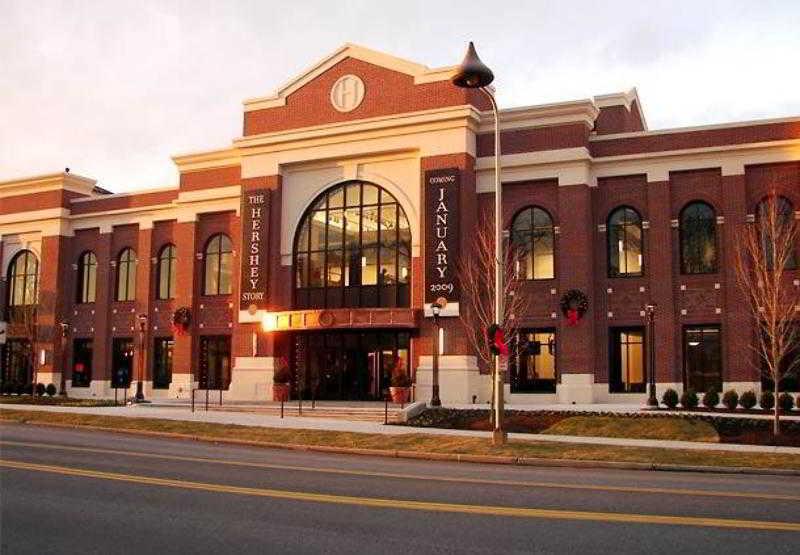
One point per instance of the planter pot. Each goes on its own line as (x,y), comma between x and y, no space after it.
(280,392)
(399,394)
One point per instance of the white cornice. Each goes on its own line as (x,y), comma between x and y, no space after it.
(49,182)
(421,73)
(543,115)
(626,99)
(673,130)
(126,194)
(463,112)
(209,159)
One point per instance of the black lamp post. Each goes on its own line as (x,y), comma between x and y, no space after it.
(473,74)
(435,400)
(139,384)
(64,331)
(650,315)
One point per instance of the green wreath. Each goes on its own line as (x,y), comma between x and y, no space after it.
(574,304)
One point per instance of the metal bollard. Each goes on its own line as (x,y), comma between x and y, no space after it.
(281,408)
(386,409)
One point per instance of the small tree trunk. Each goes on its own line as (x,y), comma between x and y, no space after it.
(776,425)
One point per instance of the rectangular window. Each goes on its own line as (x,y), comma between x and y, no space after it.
(533,362)
(702,356)
(215,361)
(17,362)
(121,362)
(82,352)
(627,368)
(162,362)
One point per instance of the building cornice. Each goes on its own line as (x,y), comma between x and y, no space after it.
(693,129)
(544,115)
(48,182)
(420,73)
(209,159)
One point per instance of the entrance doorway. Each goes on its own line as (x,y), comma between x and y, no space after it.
(348,365)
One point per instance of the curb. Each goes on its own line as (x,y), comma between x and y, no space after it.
(418,455)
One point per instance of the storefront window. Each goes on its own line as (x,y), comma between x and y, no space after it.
(533,362)
(627,364)
(162,362)
(702,352)
(353,249)
(82,352)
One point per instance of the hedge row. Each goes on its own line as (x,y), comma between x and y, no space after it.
(730,400)
(17,388)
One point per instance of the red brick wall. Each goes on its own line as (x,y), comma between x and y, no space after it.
(208,179)
(531,140)
(387,92)
(697,139)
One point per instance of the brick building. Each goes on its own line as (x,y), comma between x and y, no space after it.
(322,221)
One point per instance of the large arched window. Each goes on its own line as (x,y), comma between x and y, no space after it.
(218,266)
(87,278)
(784,212)
(698,235)
(624,243)
(126,275)
(166,273)
(23,279)
(353,249)
(532,236)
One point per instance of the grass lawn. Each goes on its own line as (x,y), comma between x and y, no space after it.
(680,429)
(422,443)
(57,400)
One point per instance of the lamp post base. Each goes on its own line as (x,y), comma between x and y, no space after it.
(139,392)
(499,437)
(435,401)
(652,400)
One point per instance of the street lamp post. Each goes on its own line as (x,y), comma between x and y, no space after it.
(435,400)
(64,330)
(650,315)
(473,74)
(139,384)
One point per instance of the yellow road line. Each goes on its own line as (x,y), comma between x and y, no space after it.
(519,512)
(369,474)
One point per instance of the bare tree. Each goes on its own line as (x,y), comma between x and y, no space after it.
(767,248)
(476,276)
(24,323)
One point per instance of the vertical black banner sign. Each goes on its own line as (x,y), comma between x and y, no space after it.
(442,234)
(255,227)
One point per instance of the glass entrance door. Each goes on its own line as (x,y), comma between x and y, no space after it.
(348,365)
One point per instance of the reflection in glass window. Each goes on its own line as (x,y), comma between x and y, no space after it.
(627,365)
(533,362)
(218,266)
(624,243)
(126,275)
(702,352)
(698,234)
(353,248)
(87,277)
(23,279)
(167,274)
(533,237)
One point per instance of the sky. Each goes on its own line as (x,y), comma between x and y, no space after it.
(113,89)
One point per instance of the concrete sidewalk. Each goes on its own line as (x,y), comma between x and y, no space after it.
(293,422)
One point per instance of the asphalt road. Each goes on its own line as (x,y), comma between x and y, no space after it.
(65,491)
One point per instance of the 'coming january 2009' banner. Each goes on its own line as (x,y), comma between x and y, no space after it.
(442,234)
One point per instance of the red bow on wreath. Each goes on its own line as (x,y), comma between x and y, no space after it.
(572,317)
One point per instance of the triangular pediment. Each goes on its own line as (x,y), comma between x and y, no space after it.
(420,73)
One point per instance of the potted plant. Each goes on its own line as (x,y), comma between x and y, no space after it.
(400,387)
(281,379)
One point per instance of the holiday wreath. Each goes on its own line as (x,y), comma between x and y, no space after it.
(574,305)
(181,320)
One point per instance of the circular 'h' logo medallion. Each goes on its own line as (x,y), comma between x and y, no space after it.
(347,93)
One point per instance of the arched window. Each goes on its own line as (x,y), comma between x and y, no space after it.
(624,243)
(532,236)
(698,236)
(218,266)
(87,278)
(23,279)
(784,212)
(353,249)
(166,272)
(126,275)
